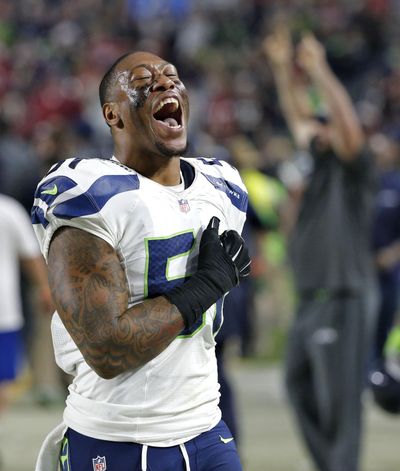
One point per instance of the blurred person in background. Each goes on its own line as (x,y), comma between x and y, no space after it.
(330,338)
(18,250)
(240,321)
(385,381)
(386,237)
(21,167)
(266,195)
(386,247)
(138,272)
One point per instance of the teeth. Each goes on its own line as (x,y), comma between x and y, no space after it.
(174,101)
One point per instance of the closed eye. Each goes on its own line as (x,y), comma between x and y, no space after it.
(147,77)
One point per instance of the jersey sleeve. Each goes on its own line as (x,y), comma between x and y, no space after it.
(79,198)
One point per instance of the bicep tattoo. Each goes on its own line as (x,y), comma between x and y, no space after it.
(90,290)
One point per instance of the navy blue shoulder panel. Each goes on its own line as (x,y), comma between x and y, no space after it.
(53,188)
(48,192)
(90,202)
(96,197)
(38,217)
(237,196)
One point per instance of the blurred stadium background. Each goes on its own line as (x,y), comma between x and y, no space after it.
(53,54)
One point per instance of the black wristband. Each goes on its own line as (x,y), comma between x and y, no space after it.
(200,292)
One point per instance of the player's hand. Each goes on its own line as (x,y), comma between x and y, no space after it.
(235,247)
(226,254)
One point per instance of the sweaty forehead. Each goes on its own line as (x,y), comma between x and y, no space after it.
(139,59)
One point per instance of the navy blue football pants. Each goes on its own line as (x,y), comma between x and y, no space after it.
(214,450)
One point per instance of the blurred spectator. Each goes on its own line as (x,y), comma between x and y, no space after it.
(240,319)
(385,381)
(386,244)
(386,238)
(18,248)
(332,263)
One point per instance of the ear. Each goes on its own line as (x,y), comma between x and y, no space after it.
(112,115)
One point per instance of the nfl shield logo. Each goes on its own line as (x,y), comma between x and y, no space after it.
(99,463)
(184,206)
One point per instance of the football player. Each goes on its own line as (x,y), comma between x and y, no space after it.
(141,249)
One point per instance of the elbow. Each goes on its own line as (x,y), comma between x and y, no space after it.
(108,364)
(353,148)
(106,371)
(356,141)
(348,145)
(103,369)
(104,365)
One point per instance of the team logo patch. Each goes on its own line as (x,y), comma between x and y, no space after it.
(99,463)
(184,206)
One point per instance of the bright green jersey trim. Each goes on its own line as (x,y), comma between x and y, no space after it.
(64,455)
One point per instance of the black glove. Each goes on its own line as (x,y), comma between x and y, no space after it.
(222,262)
(235,247)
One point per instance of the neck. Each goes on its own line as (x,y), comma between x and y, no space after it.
(162,169)
(166,172)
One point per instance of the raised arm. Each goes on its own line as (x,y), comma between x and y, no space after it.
(90,290)
(279,51)
(345,132)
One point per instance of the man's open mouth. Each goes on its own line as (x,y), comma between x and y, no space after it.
(169,112)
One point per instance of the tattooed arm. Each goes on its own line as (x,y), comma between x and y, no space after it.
(90,290)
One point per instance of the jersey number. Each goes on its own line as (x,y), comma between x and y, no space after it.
(162,271)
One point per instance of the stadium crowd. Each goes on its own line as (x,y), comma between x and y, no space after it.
(53,52)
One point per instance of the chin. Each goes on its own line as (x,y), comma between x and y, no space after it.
(171,151)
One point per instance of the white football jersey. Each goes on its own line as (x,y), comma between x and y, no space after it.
(156,231)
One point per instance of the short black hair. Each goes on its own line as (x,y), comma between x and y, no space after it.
(108,81)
